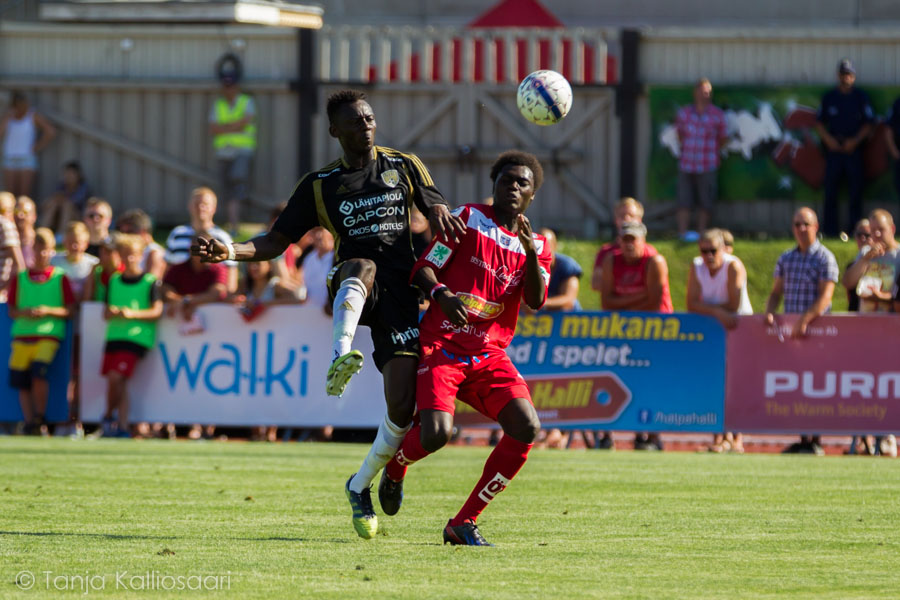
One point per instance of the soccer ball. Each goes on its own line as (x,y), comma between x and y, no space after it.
(544,97)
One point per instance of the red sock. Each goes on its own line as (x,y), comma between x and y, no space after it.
(410,451)
(501,466)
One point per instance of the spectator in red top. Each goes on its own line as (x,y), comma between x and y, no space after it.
(185,287)
(192,283)
(701,134)
(628,210)
(39,300)
(635,279)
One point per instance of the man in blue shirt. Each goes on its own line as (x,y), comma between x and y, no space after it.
(562,291)
(843,122)
(805,277)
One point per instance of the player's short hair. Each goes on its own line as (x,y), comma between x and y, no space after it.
(138,219)
(45,236)
(629,202)
(340,98)
(77,228)
(130,241)
(519,158)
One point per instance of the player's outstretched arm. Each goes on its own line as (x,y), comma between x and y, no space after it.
(263,247)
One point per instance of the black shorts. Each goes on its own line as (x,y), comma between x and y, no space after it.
(391,312)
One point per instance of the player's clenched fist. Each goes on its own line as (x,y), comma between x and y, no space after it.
(452,306)
(209,250)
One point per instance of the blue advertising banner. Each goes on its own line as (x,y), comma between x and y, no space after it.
(620,370)
(57,405)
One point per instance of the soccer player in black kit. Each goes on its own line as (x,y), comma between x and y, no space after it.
(364,199)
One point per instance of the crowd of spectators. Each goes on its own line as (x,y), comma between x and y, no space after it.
(117,261)
(103,255)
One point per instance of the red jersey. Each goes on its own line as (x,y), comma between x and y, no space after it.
(486,270)
(612,247)
(185,280)
(632,279)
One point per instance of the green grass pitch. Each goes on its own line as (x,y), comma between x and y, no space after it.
(273,519)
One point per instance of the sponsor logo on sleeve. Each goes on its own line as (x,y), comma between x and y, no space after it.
(439,254)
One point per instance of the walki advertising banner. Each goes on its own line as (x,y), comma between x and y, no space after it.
(270,371)
(843,377)
(620,370)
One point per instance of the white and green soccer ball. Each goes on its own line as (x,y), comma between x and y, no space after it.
(544,97)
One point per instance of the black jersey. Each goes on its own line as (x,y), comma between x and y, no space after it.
(366,209)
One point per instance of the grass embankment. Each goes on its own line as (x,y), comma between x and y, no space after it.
(759,256)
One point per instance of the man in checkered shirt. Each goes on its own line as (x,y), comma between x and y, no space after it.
(805,276)
(701,134)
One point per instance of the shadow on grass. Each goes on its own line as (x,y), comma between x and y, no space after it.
(107,536)
(117,536)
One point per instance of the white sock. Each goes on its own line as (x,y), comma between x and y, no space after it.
(383,449)
(348,306)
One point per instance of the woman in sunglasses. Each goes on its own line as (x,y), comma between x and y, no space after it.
(717,286)
(717,282)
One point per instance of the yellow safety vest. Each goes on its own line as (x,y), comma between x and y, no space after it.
(225,114)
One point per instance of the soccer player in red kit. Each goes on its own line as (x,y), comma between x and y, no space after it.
(477,284)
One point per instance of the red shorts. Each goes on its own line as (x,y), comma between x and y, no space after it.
(120,361)
(486,381)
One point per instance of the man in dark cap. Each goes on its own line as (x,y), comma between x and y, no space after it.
(843,122)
